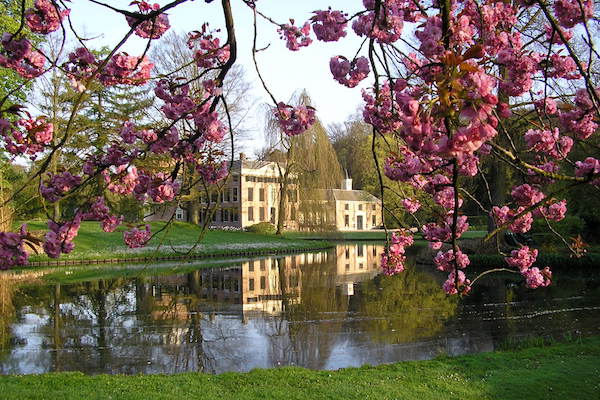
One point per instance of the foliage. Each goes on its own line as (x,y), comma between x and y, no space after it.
(263,228)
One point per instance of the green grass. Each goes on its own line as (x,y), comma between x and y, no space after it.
(560,371)
(92,243)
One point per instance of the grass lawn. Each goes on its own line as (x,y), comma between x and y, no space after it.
(560,371)
(93,243)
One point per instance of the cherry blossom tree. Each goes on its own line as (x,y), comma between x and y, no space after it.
(449,78)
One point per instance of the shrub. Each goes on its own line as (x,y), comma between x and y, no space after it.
(264,228)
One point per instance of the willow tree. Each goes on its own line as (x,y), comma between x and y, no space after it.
(308,167)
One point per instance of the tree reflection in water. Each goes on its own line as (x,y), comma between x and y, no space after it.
(323,310)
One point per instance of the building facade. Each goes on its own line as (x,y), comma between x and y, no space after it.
(251,195)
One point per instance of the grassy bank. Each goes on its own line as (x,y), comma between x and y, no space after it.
(559,371)
(92,243)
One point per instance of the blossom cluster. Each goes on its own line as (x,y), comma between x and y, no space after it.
(45,16)
(294,120)
(523,259)
(149,28)
(12,251)
(136,238)
(29,136)
(393,258)
(349,73)
(60,236)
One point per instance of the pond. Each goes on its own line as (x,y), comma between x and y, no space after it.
(324,310)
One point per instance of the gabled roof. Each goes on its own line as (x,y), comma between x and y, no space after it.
(344,195)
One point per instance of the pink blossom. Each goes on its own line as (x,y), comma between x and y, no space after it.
(527,195)
(294,36)
(152,28)
(357,70)
(209,51)
(445,261)
(535,278)
(549,142)
(562,67)
(126,70)
(411,205)
(392,259)
(112,222)
(45,16)
(457,283)
(53,188)
(546,105)
(569,12)
(12,251)
(136,238)
(294,120)
(213,172)
(19,55)
(552,35)
(387,28)
(59,238)
(522,258)
(329,26)
(81,66)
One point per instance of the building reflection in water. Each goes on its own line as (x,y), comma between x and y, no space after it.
(323,310)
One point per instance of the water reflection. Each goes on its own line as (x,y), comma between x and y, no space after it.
(319,310)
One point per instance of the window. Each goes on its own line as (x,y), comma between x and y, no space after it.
(374,220)
(250,284)
(263,282)
(247,179)
(226,215)
(360,266)
(374,251)
(347,253)
(346,220)
(250,213)
(360,250)
(261,194)
(347,267)
(179,214)
(261,213)
(374,207)
(263,264)
(214,197)
(346,207)
(250,194)
(293,213)
(235,217)
(235,194)
(236,178)
(360,207)
(251,266)
(226,195)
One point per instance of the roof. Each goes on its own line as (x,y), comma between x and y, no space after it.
(345,195)
(252,164)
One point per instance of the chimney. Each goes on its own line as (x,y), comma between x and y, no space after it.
(347,182)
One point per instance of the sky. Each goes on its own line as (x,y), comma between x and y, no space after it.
(285,71)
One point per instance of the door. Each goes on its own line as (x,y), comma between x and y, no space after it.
(359,222)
